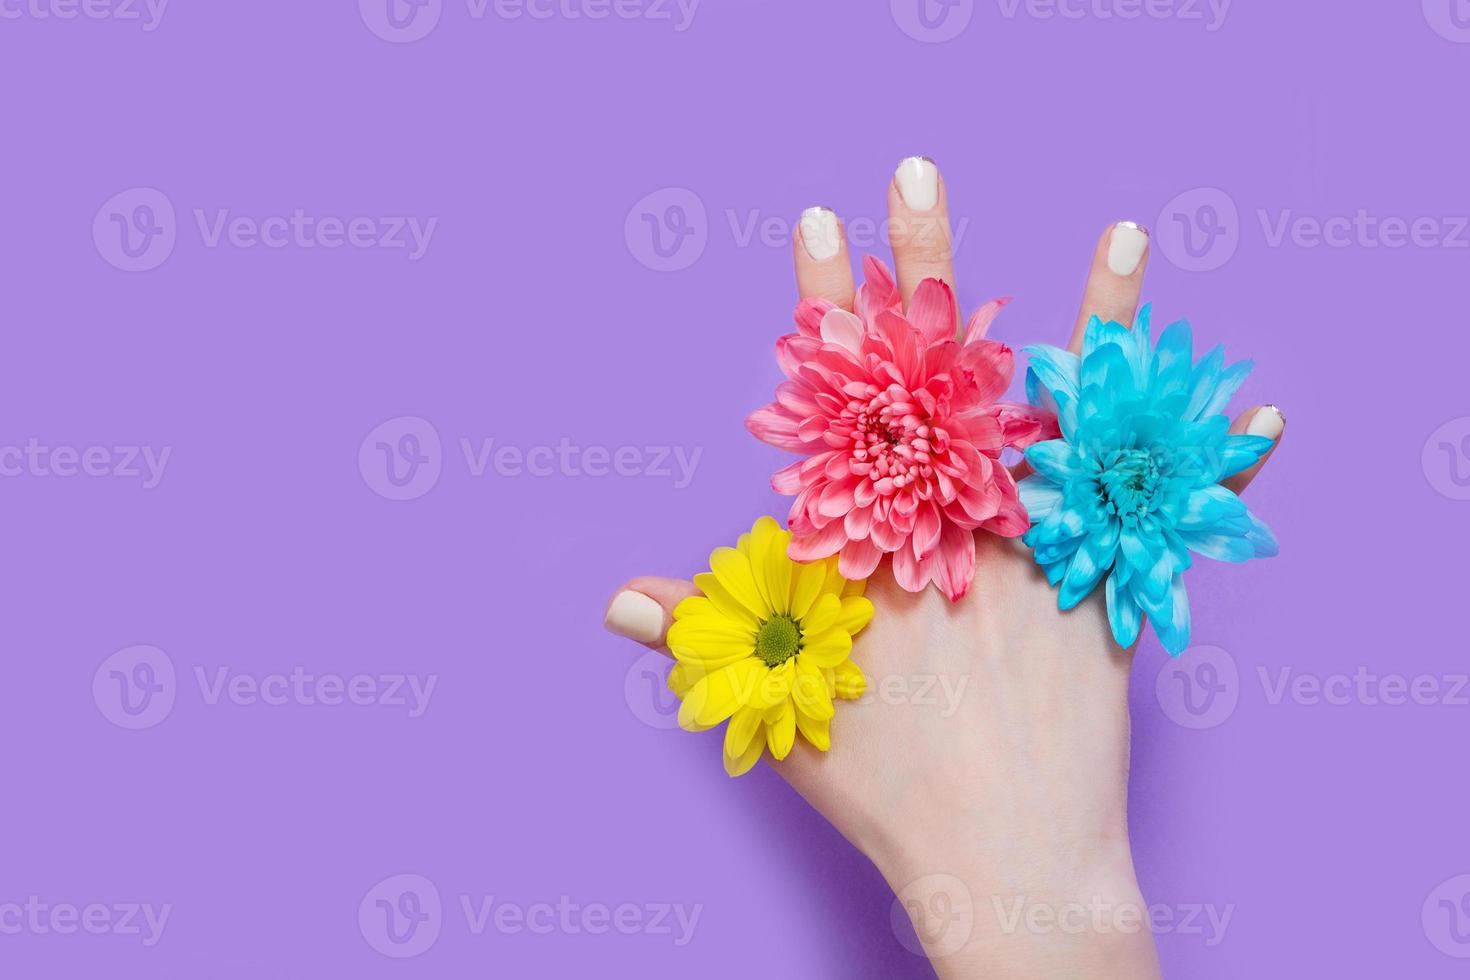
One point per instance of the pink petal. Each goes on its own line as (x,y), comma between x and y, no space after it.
(956,561)
(787,480)
(814,547)
(843,329)
(858,559)
(933,311)
(988,364)
(809,313)
(908,571)
(926,530)
(878,292)
(980,323)
(775,426)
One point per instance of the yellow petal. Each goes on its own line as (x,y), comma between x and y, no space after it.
(834,581)
(732,568)
(768,543)
(710,642)
(825,649)
(720,597)
(849,681)
(822,616)
(695,605)
(806,585)
(775,686)
(683,677)
(854,587)
(738,734)
(856,613)
(781,733)
(747,760)
(817,732)
(809,689)
(718,695)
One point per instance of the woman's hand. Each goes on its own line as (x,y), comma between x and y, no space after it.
(985,772)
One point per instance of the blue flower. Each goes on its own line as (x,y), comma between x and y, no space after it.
(1133,485)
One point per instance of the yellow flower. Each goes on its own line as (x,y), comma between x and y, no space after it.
(766,647)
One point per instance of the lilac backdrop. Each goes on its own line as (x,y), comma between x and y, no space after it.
(538,311)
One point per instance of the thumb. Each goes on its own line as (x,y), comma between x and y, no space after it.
(644,607)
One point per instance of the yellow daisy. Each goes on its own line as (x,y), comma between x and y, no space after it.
(766,647)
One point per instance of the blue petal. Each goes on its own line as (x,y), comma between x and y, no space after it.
(1204,509)
(1124,616)
(1221,547)
(1055,458)
(1242,452)
(1040,495)
(1173,359)
(1225,388)
(1107,369)
(1057,370)
(1171,618)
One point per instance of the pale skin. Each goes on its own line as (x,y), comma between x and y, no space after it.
(1005,786)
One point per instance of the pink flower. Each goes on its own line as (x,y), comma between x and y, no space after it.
(902,432)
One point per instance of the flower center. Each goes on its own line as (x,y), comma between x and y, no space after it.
(892,441)
(777,641)
(1128,483)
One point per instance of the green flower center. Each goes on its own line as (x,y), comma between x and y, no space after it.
(777,640)
(1128,483)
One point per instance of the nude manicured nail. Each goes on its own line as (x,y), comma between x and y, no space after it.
(636,616)
(918,183)
(819,234)
(1126,247)
(1268,422)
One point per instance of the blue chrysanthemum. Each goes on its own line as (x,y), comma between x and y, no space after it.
(1133,485)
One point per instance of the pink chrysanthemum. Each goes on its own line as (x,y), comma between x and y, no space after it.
(902,431)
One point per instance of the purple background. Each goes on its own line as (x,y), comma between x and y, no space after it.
(531,318)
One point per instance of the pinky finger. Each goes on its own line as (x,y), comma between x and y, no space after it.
(644,607)
(1265,420)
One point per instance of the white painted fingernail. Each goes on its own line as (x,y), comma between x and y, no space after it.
(1268,422)
(918,183)
(819,234)
(636,616)
(1126,247)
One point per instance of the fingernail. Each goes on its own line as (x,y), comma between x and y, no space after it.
(1126,247)
(918,183)
(1268,422)
(636,616)
(819,235)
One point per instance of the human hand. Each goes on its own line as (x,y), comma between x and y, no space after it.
(1007,783)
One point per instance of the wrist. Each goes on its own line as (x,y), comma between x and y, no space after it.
(1026,908)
